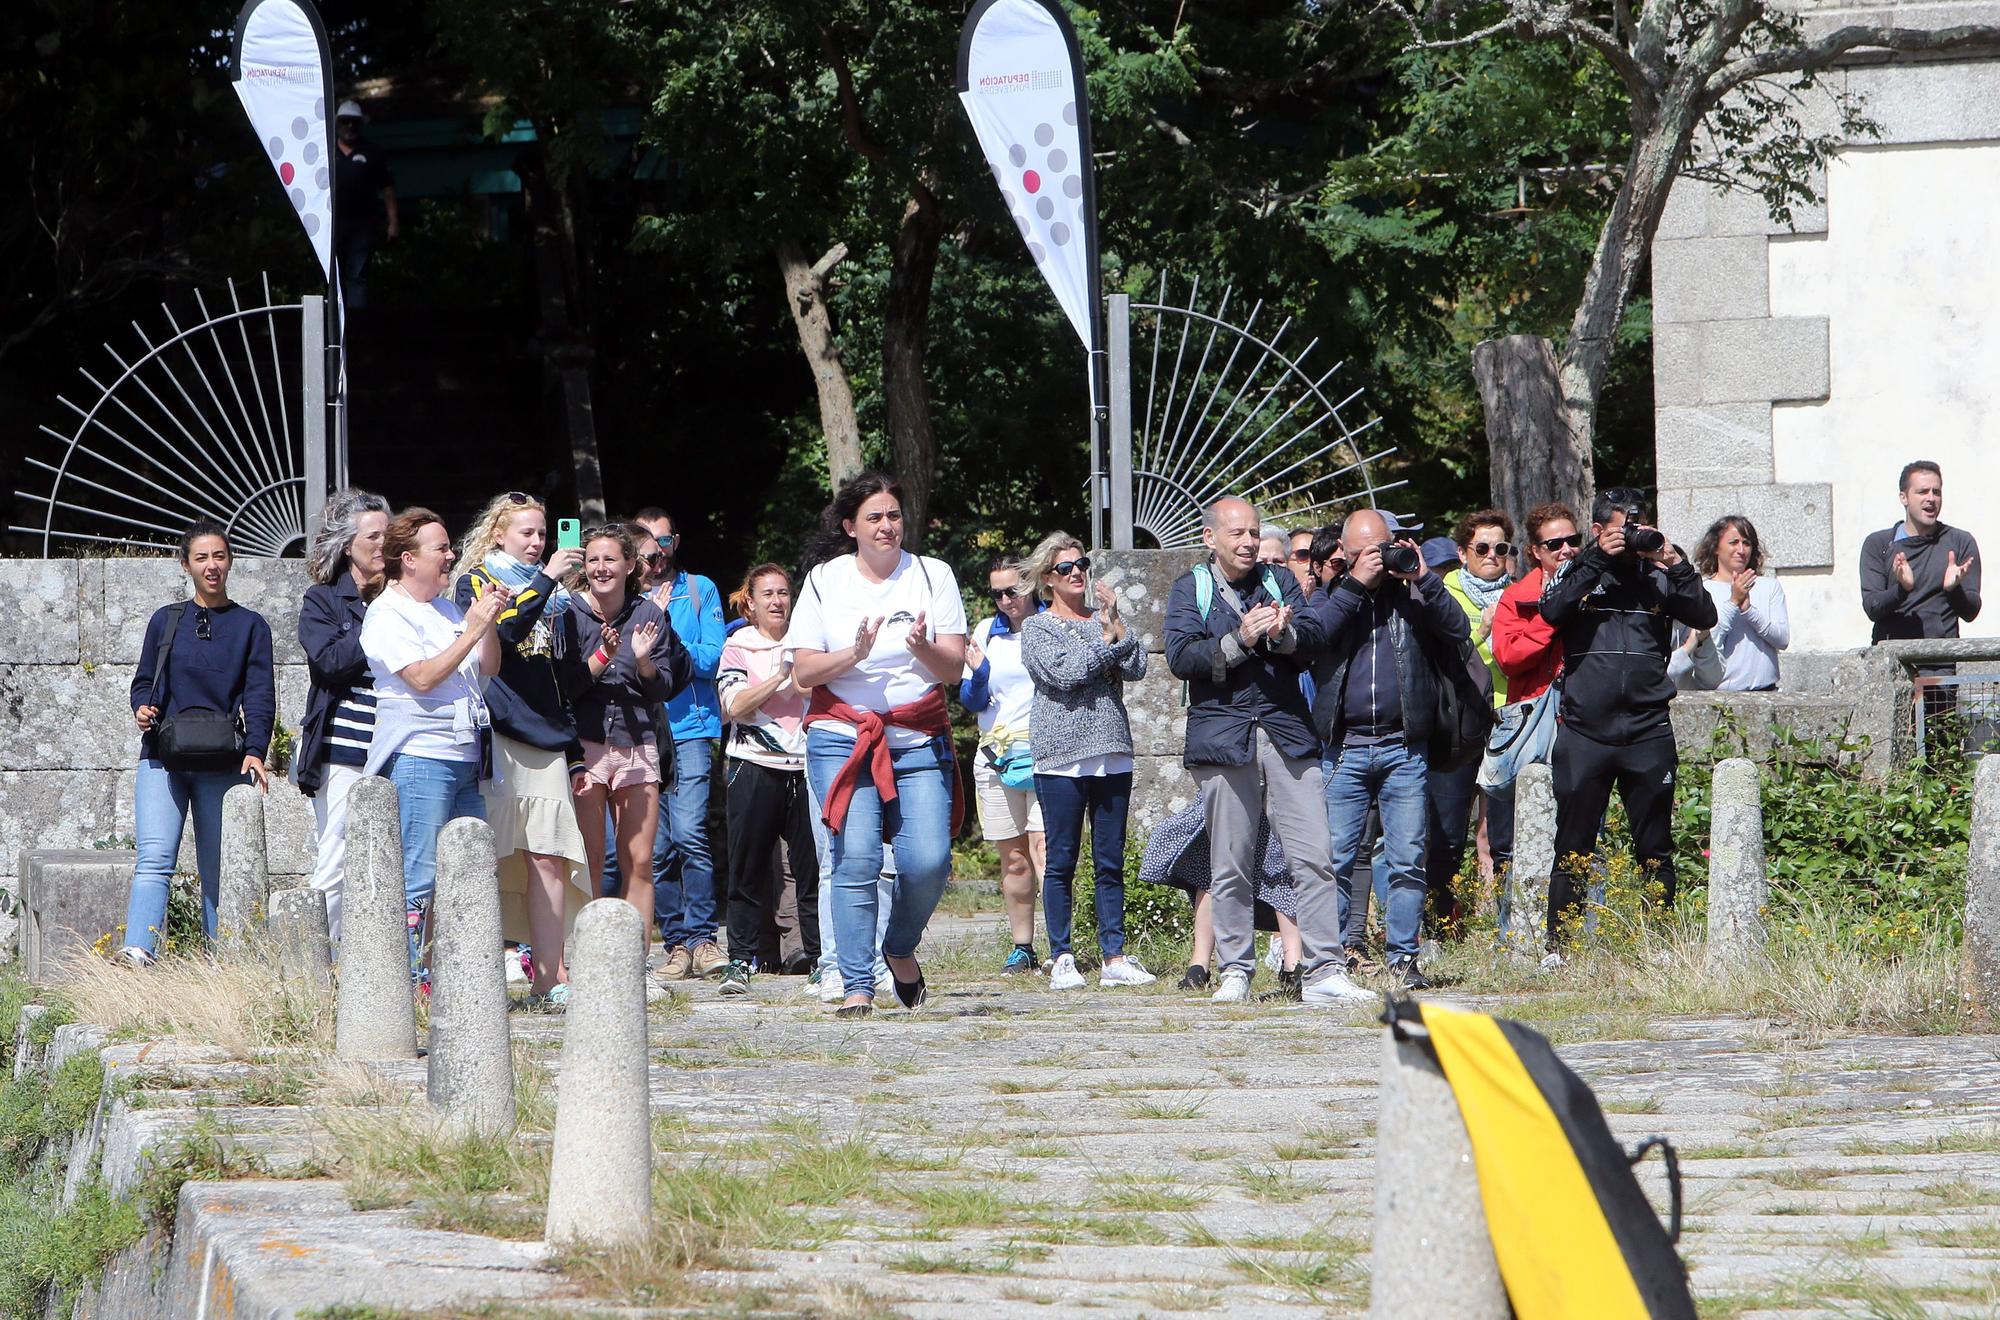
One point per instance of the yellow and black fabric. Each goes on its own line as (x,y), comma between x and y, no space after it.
(1573,1233)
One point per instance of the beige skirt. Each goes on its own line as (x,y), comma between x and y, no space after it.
(528,805)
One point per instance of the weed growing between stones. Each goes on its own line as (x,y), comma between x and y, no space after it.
(241,1003)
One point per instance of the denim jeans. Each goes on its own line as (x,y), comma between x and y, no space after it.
(917,824)
(429,795)
(1065,800)
(161,799)
(685,902)
(1395,779)
(829,938)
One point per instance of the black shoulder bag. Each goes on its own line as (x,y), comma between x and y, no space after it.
(196,738)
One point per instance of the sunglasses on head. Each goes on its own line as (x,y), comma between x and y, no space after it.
(518,497)
(1501,548)
(1573,540)
(1006,593)
(1068,566)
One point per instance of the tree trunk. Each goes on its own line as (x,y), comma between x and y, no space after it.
(1533,456)
(805,294)
(905,326)
(566,353)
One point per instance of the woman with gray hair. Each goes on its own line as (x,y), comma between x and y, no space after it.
(346,552)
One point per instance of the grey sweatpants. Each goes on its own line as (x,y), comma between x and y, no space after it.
(1292,793)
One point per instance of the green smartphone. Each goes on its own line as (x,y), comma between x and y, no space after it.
(569,534)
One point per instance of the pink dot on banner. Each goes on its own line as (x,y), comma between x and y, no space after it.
(1031,181)
(285,172)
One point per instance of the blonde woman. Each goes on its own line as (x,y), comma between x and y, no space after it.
(543,875)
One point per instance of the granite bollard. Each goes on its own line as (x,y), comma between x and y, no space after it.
(471,1059)
(1738,886)
(297,928)
(1534,860)
(601,1171)
(243,890)
(376,1018)
(1432,1254)
(1982,887)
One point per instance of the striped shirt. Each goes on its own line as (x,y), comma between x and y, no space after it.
(353,725)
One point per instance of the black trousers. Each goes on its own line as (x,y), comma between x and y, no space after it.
(1585,771)
(765,805)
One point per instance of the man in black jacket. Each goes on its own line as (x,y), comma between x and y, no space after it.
(1614,608)
(1230,633)
(1381,636)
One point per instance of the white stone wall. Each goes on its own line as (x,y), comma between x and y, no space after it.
(69,644)
(1795,372)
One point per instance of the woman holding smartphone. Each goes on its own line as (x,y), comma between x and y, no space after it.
(535,749)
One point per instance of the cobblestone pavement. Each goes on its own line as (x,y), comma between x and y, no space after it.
(1145,1152)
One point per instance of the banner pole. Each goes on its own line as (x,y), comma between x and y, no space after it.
(1119,418)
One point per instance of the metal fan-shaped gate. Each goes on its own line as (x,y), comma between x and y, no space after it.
(222,418)
(1228,409)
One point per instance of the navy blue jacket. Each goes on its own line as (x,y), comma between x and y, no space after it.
(1233,692)
(620,708)
(330,635)
(230,672)
(530,696)
(1347,619)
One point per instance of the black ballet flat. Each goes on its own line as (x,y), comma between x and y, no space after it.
(910,994)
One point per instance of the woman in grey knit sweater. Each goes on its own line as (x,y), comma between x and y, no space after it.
(1080,660)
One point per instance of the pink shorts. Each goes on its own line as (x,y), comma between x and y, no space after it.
(620,767)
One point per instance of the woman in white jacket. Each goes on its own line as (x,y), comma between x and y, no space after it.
(1751,624)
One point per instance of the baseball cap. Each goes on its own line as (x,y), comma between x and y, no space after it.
(349,110)
(1439,551)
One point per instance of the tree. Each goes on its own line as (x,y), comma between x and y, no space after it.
(1720,78)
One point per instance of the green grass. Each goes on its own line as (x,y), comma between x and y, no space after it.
(1183,1107)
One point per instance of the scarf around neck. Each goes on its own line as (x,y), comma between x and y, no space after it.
(511,573)
(1479,592)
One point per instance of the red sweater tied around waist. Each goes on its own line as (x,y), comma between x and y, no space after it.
(927,715)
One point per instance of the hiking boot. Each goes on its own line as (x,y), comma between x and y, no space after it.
(1404,972)
(708,959)
(679,962)
(735,979)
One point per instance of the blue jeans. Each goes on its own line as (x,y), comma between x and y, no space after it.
(684,898)
(829,938)
(160,802)
(429,795)
(917,824)
(1396,780)
(1065,800)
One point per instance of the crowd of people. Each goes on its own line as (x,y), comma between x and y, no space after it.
(1337,689)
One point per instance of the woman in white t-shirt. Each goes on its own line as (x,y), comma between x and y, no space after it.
(875,634)
(433,737)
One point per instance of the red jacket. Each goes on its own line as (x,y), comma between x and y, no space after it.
(927,714)
(1524,643)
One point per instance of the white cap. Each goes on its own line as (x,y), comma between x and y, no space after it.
(349,110)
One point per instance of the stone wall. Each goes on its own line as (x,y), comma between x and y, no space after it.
(68,748)
(1798,366)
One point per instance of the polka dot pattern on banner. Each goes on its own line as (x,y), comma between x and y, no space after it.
(299,127)
(1036,188)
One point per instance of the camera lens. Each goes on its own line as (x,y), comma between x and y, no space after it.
(1399,558)
(1645,540)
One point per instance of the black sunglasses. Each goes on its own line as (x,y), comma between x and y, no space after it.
(1068,566)
(1573,540)
(1492,548)
(518,497)
(1006,593)
(203,631)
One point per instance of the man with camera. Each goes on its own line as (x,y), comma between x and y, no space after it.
(1379,627)
(1614,610)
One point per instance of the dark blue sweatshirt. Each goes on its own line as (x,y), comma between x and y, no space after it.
(230,671)
(530,696)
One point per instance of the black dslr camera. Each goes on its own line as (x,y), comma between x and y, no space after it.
(1641,540)
(1399,558)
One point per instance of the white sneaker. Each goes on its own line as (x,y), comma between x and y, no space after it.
(1551,962)
(1274,954)
(1235,988)
(811,986)
(1063,974)
(1126,971)
(134,956)
(1335,988)
(831,988)
(510,962)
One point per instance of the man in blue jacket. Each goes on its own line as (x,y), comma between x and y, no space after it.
(685,895)
(1375,708)
(1231,633)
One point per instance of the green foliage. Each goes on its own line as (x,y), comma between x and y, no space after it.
(1883,859)
(45,1245)
(35,1110)
(1159,920)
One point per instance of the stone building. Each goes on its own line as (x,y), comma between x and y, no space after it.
(1797,368)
